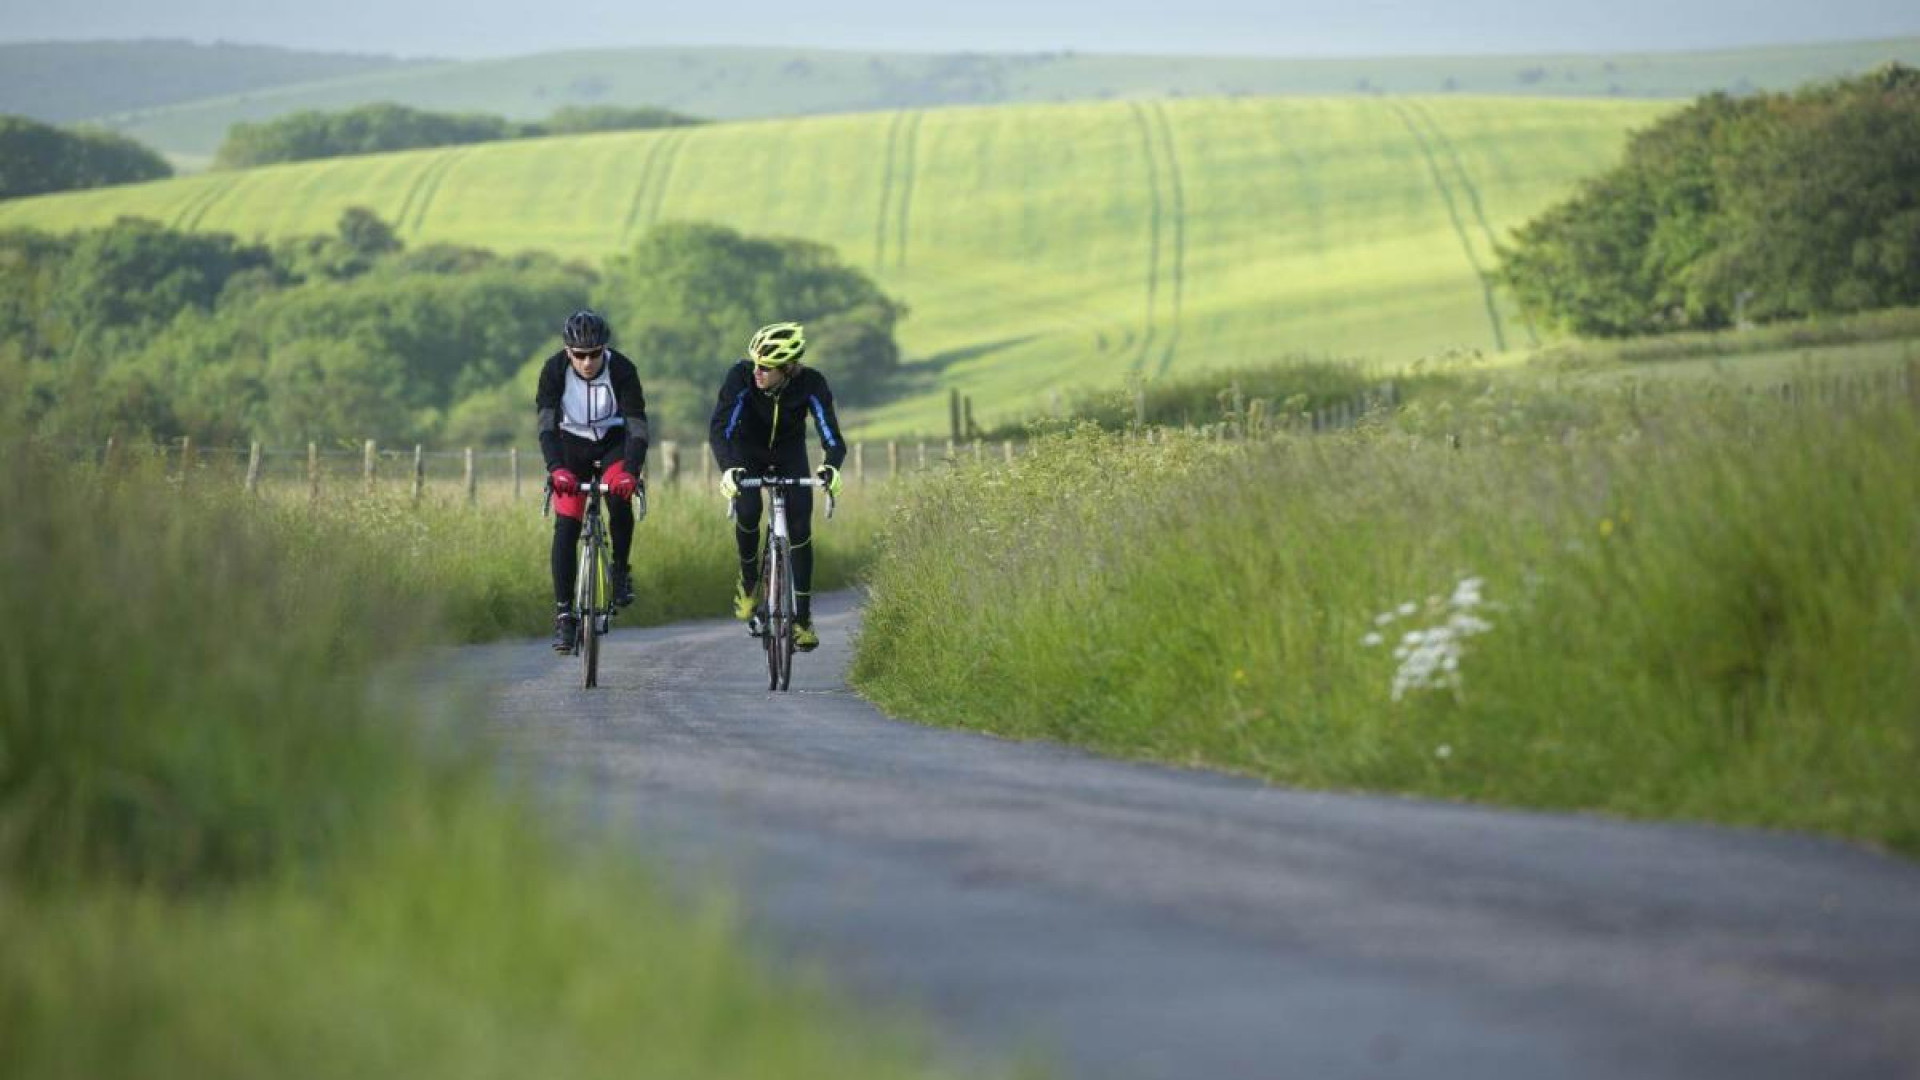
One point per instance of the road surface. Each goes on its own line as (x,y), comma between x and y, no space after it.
(1124,920)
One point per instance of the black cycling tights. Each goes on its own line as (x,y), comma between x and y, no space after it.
(566,538)
(746,536)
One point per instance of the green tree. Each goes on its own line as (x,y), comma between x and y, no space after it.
(685,300)
(1764,207)
(37,158)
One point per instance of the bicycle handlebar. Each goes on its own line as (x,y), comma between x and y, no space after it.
(755,483)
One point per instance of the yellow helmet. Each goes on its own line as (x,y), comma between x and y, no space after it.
(777,344)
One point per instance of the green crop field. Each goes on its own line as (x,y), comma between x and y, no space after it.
(741,83)
(1042,249)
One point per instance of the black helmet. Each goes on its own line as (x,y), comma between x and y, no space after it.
(585,330)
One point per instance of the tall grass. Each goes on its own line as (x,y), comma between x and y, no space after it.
(224,853)
(481,572)
(1683,608)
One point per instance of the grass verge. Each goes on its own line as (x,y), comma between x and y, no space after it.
(223,853)
(1663,606)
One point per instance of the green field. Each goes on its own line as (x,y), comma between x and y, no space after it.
(737,83)
(1041,248)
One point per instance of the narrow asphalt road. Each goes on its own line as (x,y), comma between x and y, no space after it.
(1133,921)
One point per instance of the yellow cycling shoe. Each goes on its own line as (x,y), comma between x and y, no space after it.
(742,604)
(804,639)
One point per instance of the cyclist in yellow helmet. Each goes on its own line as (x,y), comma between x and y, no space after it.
(759,427)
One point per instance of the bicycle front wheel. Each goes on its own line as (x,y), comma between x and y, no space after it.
(780,619)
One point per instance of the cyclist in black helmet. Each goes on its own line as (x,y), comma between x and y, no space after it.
(759,427)
(593,420)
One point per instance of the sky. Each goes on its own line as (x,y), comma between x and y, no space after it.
(474,28)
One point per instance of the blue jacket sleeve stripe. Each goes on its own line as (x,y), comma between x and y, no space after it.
(739,406)
(820,417)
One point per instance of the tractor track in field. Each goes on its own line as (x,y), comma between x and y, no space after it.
(896,191)
(1154,221)
(669,158)
(909,158)
(429,187)
(1472,190)
(1178,267)
(642,186)
(195,211)
(885,213)
(1447,198)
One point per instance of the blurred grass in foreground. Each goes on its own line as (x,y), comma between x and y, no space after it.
(221,855)
(1665,605)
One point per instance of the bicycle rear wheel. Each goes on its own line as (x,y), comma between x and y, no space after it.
(590,613)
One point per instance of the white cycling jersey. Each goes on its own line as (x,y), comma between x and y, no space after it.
(587,407)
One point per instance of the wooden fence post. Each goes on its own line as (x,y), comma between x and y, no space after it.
(107,461)
(513,462)
(186,458)
(859,462)
(253,467)
(419,472)
(367,453)
(893,459)
(950,453)
(979,452)
(1006,449)
(313,472)
(473,479)
(953,413)
(920,452)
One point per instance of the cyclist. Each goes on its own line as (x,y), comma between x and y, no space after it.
(593,420)
(760,427)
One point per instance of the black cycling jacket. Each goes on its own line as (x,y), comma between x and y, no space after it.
(753,426)
(628,397)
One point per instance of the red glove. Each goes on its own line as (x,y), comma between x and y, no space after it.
(565,483)
(622,485)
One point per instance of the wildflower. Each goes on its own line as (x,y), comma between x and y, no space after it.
(1606,527)
(1430,657)
(1443,751)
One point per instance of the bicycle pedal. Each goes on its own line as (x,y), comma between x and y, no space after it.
(756,627)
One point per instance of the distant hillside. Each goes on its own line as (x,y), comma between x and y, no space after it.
(1040,248)
(61,82)
(733,83)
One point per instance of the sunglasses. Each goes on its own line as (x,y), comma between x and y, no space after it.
(586,354)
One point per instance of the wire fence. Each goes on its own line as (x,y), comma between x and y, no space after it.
(478,475)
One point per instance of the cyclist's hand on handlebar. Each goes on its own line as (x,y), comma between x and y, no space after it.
(623,485)
(564,482)
(730,482)
(830,476)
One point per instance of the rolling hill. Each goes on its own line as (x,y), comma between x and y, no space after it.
(738,83)
(1041,248)
(60,82)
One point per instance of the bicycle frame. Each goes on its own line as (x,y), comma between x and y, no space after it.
(593,587)
(776,575)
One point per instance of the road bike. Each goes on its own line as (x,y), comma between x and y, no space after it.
(773,621)
(593,605)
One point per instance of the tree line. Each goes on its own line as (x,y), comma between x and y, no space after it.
(384,126)
(136,329)
(1739,210)
(36,158)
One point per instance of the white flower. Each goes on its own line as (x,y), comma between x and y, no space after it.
(1371,640)
(1443,751)
(1408,608)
